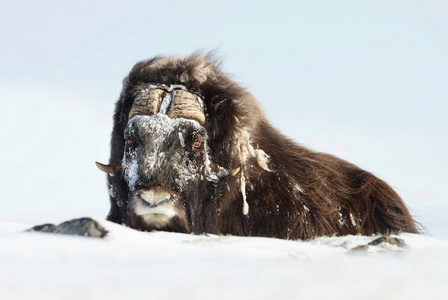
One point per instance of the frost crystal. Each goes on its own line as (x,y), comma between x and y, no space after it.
(181,139)
(298,188)
(262,159)
(352,219)
(306,208)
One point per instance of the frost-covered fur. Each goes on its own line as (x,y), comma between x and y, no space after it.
(279,189)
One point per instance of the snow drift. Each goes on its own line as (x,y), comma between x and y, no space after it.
(129,264)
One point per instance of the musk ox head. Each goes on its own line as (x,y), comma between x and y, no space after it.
(162,167)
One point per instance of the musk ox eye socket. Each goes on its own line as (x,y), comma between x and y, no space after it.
(197,143)
(129,142)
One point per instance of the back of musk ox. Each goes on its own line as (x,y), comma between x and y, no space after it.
(192,151)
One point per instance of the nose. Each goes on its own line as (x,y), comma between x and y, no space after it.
(156,196)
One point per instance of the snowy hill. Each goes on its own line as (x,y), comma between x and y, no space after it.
(129,264)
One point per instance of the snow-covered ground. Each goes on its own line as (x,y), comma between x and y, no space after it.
(129,264)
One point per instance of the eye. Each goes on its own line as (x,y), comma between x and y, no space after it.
(129,142)
(197,143)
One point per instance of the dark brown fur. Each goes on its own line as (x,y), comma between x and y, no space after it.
(304,194)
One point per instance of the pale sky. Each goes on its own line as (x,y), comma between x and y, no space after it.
(363,80)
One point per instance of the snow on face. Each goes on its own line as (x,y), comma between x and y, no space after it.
(130,163)
(163,154)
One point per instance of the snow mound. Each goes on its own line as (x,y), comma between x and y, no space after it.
(153,265)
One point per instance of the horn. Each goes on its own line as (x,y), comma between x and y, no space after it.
(214,167)
(108,168)
(186,105)
(146,102)
(233,172)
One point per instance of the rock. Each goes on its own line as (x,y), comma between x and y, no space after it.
(381,243)
(43,228)
(360,248)
(81,226)
(388,239)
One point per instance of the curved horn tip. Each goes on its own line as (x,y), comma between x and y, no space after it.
(233,172)
(107,168)
(213,166)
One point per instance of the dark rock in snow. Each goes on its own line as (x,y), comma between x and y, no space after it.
(81,226)
(358,249)
(388,239)
(43,228)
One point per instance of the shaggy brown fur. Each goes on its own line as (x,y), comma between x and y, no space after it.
(282,189)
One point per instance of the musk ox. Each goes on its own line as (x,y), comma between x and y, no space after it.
(193,152)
